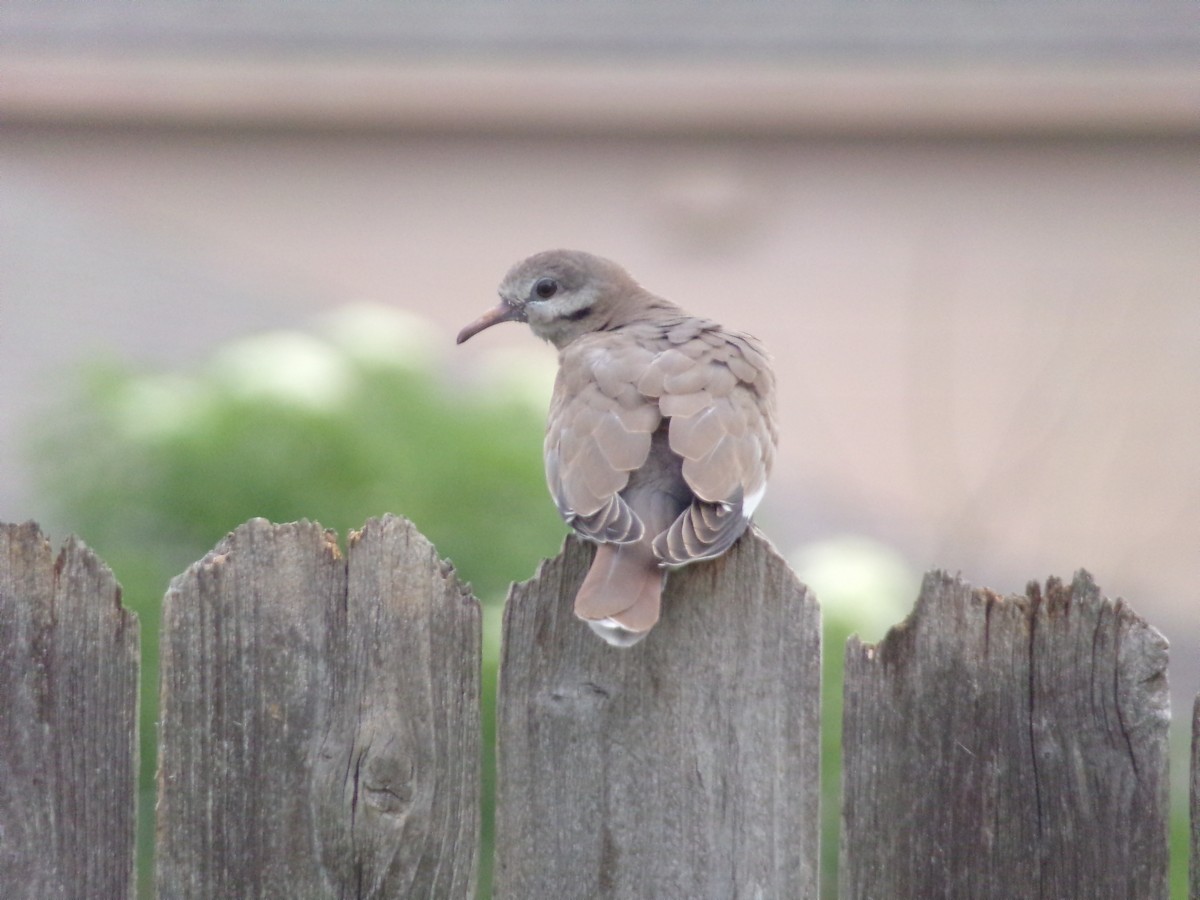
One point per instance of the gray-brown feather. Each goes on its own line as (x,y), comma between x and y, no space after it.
(713,388)
(661,431)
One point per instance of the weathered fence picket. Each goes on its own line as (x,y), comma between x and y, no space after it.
(687,766)
(68,723)
(1195,804)
(320,719)
(1007,747)
(320,734)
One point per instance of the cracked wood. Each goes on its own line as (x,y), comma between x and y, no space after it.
(1195,804)
(69,656)
(320,719)
(686,766)
(1007,747)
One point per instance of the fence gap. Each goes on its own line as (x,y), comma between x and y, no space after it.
(686,766)
(1007,747)
(69,655)
(319,719)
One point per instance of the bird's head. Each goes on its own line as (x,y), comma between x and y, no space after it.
(562,294)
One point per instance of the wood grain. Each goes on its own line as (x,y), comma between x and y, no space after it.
(686,766)
(1007,747)
(1195,802)
(69,656)
(319,732)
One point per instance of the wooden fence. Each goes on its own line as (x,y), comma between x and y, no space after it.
(320,734)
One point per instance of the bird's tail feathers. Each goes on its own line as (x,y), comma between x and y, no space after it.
(622,594)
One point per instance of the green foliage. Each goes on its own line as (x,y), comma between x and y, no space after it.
(154,469)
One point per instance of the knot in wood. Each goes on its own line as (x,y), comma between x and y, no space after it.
(386,783)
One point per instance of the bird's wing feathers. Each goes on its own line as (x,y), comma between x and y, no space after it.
(598,432)
(717,390)
(721,409)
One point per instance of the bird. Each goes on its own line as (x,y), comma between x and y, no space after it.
(661,430)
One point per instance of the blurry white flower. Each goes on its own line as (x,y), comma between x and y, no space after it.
(382,335)
(157,406)
(858,581)
(286,366)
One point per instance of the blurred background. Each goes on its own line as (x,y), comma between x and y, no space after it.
(236,242)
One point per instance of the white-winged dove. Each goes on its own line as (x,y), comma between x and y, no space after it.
(661,430)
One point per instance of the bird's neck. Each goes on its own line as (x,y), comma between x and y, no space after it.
(630,311)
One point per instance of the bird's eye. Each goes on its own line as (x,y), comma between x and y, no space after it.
(545,288)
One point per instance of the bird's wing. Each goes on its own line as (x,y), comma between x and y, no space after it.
(718,391)
(598,431)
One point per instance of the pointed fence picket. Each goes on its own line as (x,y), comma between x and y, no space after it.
(319,719)
(320,734)
(1194,869)
(1007,747)
(68,722)
(687,766)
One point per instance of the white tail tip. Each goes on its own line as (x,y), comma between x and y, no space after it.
(615,633)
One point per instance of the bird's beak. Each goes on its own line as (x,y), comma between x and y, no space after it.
(505,312)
